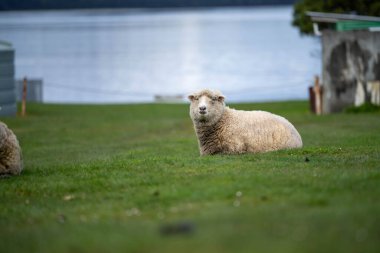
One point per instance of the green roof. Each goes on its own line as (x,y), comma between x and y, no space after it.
(345,22)
(355,25)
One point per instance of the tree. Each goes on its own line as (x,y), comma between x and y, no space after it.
(360,7)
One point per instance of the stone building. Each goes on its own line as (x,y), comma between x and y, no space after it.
(350,60)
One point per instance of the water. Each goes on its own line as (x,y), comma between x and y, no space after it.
(116,56)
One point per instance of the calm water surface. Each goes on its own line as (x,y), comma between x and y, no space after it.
(107,56)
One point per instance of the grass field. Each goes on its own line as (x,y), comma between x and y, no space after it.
(129,178)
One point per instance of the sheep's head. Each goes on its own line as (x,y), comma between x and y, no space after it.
(207,106)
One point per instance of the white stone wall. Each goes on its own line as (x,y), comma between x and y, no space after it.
(351,68)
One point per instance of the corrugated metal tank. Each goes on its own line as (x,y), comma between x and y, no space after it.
(8,106)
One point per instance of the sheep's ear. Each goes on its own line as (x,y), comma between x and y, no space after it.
(191,97)
(221,98)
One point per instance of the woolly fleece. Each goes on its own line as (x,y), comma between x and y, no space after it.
(10,152)
(222,130)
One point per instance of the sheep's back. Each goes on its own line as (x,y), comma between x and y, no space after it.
(258,131)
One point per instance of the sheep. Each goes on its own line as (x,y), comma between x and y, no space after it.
(10,153)
(222,130)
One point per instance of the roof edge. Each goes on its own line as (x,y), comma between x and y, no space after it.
(335,17)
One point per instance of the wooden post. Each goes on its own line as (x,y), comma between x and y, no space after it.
(312,99)
(23,103)
(318,98)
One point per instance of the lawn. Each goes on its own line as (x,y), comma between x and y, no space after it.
(129,178)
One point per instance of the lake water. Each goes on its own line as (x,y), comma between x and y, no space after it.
(116,56)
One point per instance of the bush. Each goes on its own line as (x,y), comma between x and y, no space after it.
(366,107)
(360,7)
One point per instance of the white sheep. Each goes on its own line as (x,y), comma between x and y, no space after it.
(10,152)
(222,130)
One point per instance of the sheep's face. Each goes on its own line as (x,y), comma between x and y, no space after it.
(206,107)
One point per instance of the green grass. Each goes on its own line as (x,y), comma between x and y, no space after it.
(366,107)
(109,178)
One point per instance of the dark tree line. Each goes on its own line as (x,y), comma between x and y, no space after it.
(360,7)
(73,4)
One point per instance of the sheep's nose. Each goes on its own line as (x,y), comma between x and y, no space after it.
(202,108)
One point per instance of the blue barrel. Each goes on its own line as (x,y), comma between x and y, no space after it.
(8,106)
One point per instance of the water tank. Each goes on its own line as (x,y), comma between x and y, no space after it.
(8,106)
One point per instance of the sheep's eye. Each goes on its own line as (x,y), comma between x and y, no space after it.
(214,99)
(196,98)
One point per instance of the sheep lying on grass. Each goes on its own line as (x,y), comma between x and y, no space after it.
(221,130)
(10,152)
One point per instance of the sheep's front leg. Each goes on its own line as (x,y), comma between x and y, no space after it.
(3,172)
